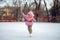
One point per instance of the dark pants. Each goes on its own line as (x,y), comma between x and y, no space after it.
(30,29)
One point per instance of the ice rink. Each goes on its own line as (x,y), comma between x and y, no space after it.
(18,31)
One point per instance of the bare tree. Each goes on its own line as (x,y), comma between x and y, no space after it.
(37,4)
(16,9)
(37,7)
(55,11)
(46,10)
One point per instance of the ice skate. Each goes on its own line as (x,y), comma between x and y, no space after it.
(30,35)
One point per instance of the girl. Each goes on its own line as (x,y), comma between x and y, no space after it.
(29,18)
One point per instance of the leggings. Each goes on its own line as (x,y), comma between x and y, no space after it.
(30,29)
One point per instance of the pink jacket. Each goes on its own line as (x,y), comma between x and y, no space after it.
(28,21)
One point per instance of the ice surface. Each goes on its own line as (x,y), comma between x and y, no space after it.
(18,31)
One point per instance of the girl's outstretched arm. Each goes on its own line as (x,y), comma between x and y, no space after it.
(25,16)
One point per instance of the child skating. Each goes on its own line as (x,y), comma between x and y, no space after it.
(29,18)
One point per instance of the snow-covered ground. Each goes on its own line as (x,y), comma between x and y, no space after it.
(18,31)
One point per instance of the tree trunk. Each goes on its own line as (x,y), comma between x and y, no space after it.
(46,10)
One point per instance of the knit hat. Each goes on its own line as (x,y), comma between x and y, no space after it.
(30,12)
